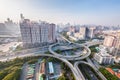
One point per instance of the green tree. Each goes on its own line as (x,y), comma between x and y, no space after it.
(47,52)
(32,61)
(3,74)
(107,74)
(15,75)
(61,78)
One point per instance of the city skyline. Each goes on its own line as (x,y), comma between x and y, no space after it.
(98,12)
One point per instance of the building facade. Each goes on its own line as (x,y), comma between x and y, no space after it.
(36,34)
(82,31)
(90,32)
(113,41)
(104,58)
(108,41)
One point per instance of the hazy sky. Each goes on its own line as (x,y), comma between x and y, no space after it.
(103,12)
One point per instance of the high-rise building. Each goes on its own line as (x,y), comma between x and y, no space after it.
(108,41)
(21,16)
(90,32)
(113,40)
(82,31)
(36,34)
(72,29)
(12,27)
(3,29)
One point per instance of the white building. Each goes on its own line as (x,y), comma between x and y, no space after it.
(117,59)
(36,34)
(78,36)
(104,58)
(83,32)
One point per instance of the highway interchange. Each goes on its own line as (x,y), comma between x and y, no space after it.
(74,68)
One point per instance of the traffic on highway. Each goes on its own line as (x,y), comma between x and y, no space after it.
(48,70)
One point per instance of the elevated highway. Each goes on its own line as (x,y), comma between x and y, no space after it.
(77,73)
(92,66)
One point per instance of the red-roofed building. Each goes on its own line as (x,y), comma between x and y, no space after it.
(113,73)
(117,74)
(110,70)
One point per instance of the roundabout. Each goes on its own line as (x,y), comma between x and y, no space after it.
(66,52)
(70,51)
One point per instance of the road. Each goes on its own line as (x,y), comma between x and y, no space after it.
(24,70)
(75,70)
(64,38)
(73,57)
(96,69)
(88,71)
(80,68)
(86,45)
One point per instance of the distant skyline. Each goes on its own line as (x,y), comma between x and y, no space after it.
(98,12)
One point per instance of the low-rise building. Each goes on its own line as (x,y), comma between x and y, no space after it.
(115,72)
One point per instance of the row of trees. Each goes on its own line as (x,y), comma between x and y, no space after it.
(58,51)
(116,66)
(65,35)
(14,75)
(66,74)
(107,74)
(62,77)
(80,41)
(11,70)
(11,73)
(93,50)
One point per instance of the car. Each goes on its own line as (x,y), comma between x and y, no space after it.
(86,45)
(91,75)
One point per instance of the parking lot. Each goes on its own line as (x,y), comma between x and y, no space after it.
(32,71)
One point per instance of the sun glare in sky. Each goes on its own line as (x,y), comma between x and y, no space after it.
(103,12)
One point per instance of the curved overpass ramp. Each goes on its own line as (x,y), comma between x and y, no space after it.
(74,71)
(96,70)
(73,57)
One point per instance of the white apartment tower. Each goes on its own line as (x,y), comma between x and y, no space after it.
(83,32)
